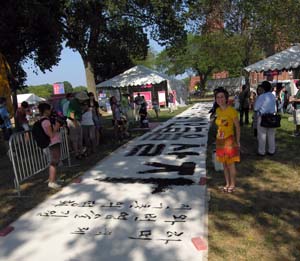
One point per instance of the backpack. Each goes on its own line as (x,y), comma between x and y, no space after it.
(39,135)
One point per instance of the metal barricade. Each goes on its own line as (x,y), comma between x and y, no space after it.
(28,159)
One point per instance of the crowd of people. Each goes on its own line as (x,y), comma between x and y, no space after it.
(80,114)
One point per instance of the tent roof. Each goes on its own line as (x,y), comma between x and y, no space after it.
(286,59)
(31,98)
(137,75)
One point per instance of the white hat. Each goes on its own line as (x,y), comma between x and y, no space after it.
(82,96)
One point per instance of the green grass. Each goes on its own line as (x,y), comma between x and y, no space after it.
(261,221)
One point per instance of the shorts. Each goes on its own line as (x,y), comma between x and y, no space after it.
(53,154)
(227,150)
(296,115)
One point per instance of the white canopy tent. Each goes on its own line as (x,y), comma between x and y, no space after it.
(232,85)
(284,60)
(31,98)
(141,75)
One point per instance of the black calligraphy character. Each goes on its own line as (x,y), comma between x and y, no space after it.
(66,203)
(88,204)
(186,168)
(183,207)
(123,216)
(105,233)
(112,205)
(177,219)
(159,207)
(147,150)
(170,236)
(82,216)
(96,215)
(144,235)
(158,136)
(182,154)
(80,231)
(147,217)
(139,206)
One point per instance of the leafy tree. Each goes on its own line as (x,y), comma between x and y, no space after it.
(30,29)
(150,60)
(108,35)
(44,90)
(79,89)
(203,54)
(68,87)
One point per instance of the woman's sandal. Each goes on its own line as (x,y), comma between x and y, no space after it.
(225,189)
(231,189)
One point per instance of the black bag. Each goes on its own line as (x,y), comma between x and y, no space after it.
(1,120)
(39,135)
(270,120)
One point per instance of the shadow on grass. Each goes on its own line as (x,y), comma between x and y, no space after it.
(261,220)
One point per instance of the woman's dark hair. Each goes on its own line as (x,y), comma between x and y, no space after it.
(221,90)
(43,107)
(111,100)
(25,104)
(91,94)
(266,86)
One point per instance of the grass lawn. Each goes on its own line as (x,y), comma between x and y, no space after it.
(261,220)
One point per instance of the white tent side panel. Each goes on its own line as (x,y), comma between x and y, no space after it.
(181,91)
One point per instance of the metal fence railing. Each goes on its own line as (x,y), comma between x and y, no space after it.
(28,159)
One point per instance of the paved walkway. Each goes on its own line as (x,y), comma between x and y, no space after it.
(143,202)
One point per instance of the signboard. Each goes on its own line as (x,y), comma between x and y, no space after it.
(162,98)
(58,88)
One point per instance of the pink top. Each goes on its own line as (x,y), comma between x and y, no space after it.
(56,138)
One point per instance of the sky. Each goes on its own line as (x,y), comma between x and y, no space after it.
(70,68)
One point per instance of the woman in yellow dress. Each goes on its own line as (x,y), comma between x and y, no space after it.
(228,138)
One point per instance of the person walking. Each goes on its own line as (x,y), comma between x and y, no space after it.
(227,139)
(281,99)
(137,106)
(55,141)
(244,105)
(155,107)
(265,103)
(171,102)
(296,113)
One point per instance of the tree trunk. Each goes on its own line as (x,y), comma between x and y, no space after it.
(90,77)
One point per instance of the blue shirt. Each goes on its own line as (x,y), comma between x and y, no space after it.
(5,116)
(265,103)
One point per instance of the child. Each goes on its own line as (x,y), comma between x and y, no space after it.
(54,147)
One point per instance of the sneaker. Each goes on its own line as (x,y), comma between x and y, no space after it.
(54,185)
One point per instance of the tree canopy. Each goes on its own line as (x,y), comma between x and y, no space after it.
(30,29)
(109,35)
